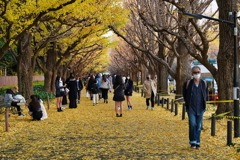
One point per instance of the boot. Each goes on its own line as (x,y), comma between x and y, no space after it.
(59,109)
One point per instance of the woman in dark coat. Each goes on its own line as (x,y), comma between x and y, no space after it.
(128,91)
(35,108)
(118,97)
(90,85)
(64,99)
(72,95)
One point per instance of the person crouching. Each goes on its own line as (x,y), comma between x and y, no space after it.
(35,108)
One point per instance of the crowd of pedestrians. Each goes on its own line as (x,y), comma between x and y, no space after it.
(195,93)
(99,86)
(97,90)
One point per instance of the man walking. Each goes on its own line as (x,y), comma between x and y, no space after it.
(195,94)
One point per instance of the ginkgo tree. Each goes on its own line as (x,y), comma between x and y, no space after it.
(22,27)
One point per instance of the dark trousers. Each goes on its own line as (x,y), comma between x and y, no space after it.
(37,115)
(14,104)
(78,94)
(152,100)
(104,93)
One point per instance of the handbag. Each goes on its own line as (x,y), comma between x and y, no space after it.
(66,90)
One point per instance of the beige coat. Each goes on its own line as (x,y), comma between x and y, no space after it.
(148,87)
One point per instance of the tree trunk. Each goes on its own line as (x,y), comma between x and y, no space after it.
(162,82)
(183,61)
(225,58)
(47,80)
(54,75)
(25,65)
(162,73)
(50,67)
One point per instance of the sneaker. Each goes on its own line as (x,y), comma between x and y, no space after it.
(197,146)
(120,115)
(21,115)
(117,115)
(152,108)
(130,107)
(93,104)
(193,146)
(147,108)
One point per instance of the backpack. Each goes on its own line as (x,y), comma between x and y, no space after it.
(190,80)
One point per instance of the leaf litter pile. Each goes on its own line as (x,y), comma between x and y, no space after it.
(94,132)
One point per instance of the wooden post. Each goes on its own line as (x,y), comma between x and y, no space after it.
(6,118)
(48,101)
(163,100)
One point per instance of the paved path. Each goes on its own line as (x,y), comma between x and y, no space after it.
(93,132)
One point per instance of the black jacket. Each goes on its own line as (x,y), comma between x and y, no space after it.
(187,92)
(80,85)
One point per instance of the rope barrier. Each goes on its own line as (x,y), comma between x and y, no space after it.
(210,102)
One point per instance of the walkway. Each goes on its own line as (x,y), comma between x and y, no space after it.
(93,132)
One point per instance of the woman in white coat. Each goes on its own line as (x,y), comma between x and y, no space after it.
(150,91)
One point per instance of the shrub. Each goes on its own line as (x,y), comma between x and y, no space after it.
(37,89)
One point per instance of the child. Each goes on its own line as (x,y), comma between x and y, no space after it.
(95,91)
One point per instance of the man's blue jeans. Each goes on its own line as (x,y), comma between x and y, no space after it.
(195,127)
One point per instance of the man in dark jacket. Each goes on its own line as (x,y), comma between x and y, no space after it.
(79,88)
(195,94)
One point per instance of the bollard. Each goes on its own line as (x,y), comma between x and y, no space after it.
(213,125)
(172,106)
(163,102)
(167,103)
(183,111)
(158,99)
(176,109)
(6,118)
(229,133)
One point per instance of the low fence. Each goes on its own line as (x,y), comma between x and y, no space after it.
(173,106)
(12,80)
